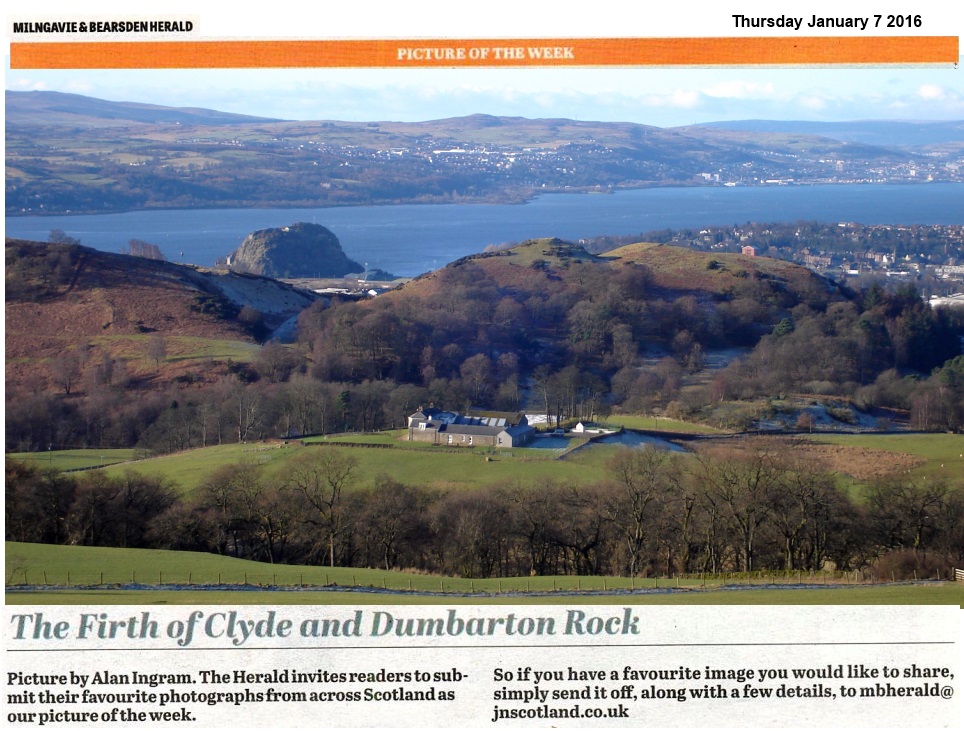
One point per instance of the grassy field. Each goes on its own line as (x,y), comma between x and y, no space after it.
(86,575)
(653,423)
(413,465)
(917,595)
(75,459)
(943,453)
(50,565)
(942,456)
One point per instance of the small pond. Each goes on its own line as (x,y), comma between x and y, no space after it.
(548,442)
(635,439)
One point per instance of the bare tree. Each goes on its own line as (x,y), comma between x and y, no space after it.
(157,349)
(645,480)
(319,476)
(136,247)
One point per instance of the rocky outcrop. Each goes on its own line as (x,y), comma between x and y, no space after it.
(295,251)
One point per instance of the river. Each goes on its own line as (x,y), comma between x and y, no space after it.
(410,239)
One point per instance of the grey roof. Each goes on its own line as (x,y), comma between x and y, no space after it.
(472,429)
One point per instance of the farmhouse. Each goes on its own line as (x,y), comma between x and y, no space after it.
(482,429)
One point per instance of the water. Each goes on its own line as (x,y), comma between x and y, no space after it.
(630,438)
(411,239)
(548,442)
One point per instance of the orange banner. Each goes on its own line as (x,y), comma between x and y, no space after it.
(486,53)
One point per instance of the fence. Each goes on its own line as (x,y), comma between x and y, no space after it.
(294,578)
(959,574)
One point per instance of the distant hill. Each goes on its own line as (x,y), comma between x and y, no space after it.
(296,251)
(882,133)
(69,153)
(53,107)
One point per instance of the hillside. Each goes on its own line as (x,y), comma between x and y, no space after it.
(670,272)
(68,301)
(59,108)
(72,153)
(549,306)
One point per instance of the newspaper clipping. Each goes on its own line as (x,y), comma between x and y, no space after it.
(483,454)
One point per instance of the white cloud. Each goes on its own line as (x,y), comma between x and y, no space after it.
(931,91)
(27,85)
(813,102)
(741,90)
(679,99)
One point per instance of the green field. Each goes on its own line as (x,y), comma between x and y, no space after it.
(438,467)
(944,453)
(88,566)
(99,572)
(429,465)
(75,459)
(661,423)
(937,594)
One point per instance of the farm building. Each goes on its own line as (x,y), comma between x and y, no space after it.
(483,429)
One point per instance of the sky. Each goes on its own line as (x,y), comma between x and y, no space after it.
(659,96)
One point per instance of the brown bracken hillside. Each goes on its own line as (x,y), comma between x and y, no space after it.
(68,304)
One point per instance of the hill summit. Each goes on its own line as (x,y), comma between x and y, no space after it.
(298,250)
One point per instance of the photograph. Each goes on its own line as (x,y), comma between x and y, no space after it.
(505,324)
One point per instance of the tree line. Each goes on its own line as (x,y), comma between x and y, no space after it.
(656,513)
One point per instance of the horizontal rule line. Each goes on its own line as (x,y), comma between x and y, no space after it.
(421,53)
(489,647)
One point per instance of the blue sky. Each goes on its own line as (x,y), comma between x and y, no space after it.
(662,97)
(658,96)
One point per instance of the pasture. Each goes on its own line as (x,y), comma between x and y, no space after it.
(438,467)
(43,574)
(934,456)
(75,459)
